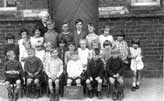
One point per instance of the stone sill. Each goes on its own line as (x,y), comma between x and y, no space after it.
(131,16)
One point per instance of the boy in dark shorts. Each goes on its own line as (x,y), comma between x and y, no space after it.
(95,70)
(115,69)
(13,73)
(33,68)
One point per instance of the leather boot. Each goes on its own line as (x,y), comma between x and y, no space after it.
(90,94)
(114,96)
(99,95)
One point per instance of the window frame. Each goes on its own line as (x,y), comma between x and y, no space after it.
(5,8)
(155,3)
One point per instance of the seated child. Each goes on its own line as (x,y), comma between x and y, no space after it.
(95,71)
(13,72)
(33,67)
(136,64)
(84,53)
(11,46)
(74,70)
(114,69)
(54,69)
(68,53)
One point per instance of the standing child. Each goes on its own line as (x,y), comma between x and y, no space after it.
(136,63)
(54,70)
(95,69)
(51,34)
(66,34)
(23,54)
(33,67)
(106,36)
(68,53)
(74,70)
(91,36)
(36,39)
(62,49)
(11,46)
(39,51)
(79,33)
(115,69)
(122,45)
(13,72)
(24,38)
(84,53)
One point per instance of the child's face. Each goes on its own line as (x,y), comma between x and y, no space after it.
(74,57)
(65,27)
(106,30)
(120,38)
(83,44)
(54,54)
(10,41)
(71,47)
(11,56)
(79,25)
(94,56)
(24,35)
(91,29)
(50,26)
(37,33)
(135,46)
(31,53)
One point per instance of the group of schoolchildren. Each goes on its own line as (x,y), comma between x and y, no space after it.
(81,55)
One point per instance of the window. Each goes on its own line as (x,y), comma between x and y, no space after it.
(145,2)
(8,4)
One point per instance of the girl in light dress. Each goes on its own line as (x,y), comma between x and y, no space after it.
(36,39)
(136,63)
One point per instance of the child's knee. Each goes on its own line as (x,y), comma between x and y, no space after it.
(29,81)
(18,82)
(78,81)
(88,81)
(100,81)
(7,84)
(36,81)
(69,81)
(57,81)
(111,80)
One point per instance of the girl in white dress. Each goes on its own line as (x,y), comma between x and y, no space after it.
(136,63)
(36,39)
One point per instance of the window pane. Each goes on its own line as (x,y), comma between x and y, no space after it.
(11,3)
(1,3)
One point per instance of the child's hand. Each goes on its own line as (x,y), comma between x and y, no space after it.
(117,75)
(114,76)
(97,78)
(30,74)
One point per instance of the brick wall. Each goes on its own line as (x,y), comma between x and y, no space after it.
(145,23)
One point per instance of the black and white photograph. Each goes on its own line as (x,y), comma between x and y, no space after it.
(81,50)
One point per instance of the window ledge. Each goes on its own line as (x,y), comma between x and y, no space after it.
(8,8)
(146,4)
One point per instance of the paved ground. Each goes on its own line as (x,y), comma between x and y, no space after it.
(151,90)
